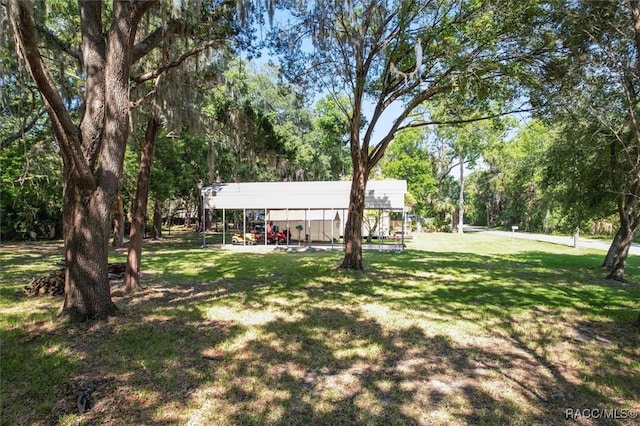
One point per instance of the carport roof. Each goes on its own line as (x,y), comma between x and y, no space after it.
(380,194)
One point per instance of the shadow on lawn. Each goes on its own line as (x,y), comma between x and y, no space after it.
(320,363)
(333,365)
(319,359)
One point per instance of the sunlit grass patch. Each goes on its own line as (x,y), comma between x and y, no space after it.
(458,330)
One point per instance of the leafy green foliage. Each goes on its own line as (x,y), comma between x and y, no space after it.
(408,158)
(31,190)
(587,86)
(410,53)
(179,167)
(513,190)
(331,135)
(30,182)
(261,129)
(578,173)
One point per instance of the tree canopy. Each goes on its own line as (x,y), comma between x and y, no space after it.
(404,54)
(399,88)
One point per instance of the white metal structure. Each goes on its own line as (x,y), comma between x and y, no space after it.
(319,208)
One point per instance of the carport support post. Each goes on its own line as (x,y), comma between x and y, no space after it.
(224,226)
(305,227)
(380,216)
(308,224)
(324,231)
(342,226)
(403,227)
(204,231)
(287,230)
(333,218)
(244,226)
(264,227)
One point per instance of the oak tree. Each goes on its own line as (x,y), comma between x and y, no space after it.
(592,88)
(93,146)
(389,58)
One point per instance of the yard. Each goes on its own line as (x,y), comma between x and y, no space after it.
(459,329)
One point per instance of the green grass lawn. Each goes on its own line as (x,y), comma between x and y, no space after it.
(459,329)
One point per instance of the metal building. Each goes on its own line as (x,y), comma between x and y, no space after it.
(310,211)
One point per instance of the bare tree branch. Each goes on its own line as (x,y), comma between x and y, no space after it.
(27,125)
(65,130)
(154,38)
(378,151)
(463,121)
(175,63)
(52,38)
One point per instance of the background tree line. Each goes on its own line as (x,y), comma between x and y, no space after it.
(162,88)
(243,123)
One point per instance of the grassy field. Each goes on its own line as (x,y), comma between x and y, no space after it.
(459,329)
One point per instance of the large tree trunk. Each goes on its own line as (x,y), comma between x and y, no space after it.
(87,288)
(92,153)
(139,210)
(628,226)
(461,199)
(620,258)
(353,225)
(86,236)
(613,249)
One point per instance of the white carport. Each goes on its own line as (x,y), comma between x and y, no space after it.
(315,210)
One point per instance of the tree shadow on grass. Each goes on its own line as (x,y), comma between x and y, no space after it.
(320,368)
(326,366)
(333,366)
(500,294)
(184,350)
(140,371)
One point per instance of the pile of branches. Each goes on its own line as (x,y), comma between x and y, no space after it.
(53,284)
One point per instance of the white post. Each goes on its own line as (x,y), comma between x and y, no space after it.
(204,230)
(403,227)
(461,200)
(244,226)
(380,229)
(333,219)
(307,225)
(287,229)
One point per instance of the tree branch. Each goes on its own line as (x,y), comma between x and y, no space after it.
(463,120)
(173,64)
(54,40)
(65,130)
(20,133)
(137,102)
(378,151)
(152,41)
